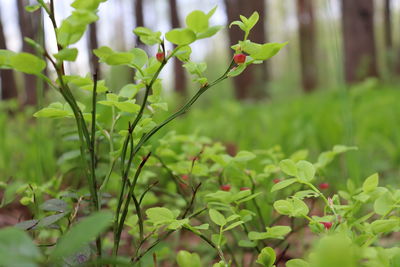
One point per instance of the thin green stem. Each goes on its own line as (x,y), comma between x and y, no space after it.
(127,201)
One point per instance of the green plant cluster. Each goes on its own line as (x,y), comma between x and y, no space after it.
(137,195)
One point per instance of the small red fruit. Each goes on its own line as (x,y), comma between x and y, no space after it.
(239,58)
(225,187)
(276,180)
(327,225)
(185,177)
(160,56)
(244,188)
(323,186)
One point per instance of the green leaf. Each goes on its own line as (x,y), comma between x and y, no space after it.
(184,53)
(250,197)
(267,51)
(54,110)
(73,27)
(140,57)
(384,204)
(85,83)
(284,207)
(233,225)
(267,257)
(297,263)
(147,36)
(67,54)
(159,215)
(300,208)
(283,184)
(81,234)
(289,167)
(9,193)
(34,44)
(370,183)
(127,106)
(219,264)
(237,70)
(212,11)
(181,36)
(238,23)
(217,217)
(27,63)
(87,4)
(293,207)
(197,21)
(247,244)
(177,224)
(55,204)
(342,149)
(32,8)
(278,231)
(275,232)
(5,58)
(384,226)
(113,58)
(244,156)
(17,249)
(186,259)
(130,90)
(27,225)
(305,170)
(252,21)
(49,220)
(306,194)
(211,31)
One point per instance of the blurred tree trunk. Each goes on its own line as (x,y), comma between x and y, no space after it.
(93,44)
(388,25)
(8,87)
(305,16)
(28,25)
(139,20)
(250,84)
(359,39)
(179,72)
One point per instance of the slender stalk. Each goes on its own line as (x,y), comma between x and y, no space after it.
(93,154)
(140,218)
(208,241)
(135,259)
(182,110)
(125,211)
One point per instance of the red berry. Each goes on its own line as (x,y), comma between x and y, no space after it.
(327,225)
(160,56)
(225,187)
(276,180)
(185,177)
(244,188)
(323,186)
(239,58)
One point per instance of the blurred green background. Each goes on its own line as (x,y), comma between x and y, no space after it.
(275,106)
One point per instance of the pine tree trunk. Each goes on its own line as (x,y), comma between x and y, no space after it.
(359,40)
(8,87)
(307,42)
(250,84)
(28,26)
(179,72)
